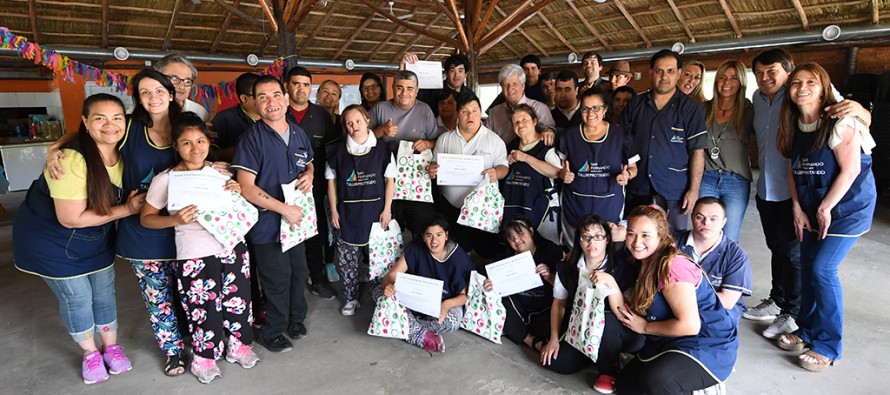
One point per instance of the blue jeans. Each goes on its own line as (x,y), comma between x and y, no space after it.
(734,190)
(86,302)
(821,317)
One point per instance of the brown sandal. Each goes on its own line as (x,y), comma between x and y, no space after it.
(790,342)
(820,362)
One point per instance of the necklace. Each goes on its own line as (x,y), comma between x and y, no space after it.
(715,150)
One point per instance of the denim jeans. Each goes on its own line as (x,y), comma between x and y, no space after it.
(734,190)
(283,277)
(86,302)
(821,317)
(778,230)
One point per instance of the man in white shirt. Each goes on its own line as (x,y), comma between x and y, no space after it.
(182,73)
(512,81)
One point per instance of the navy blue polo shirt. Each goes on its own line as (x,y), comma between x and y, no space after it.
(727,266)
(262,152)
(320,128)
(665,140)
(230,124)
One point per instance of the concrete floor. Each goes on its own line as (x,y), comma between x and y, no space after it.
(338,357)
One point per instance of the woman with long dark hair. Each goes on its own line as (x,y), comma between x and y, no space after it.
(372,90)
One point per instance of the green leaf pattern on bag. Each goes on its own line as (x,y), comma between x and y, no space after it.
(484,313)
(390,319)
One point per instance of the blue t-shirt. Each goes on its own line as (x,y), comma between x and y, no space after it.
(726,265)
(454,271)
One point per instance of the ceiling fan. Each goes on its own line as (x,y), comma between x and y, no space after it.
(380,17)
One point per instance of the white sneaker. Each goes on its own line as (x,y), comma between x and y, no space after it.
(784,323)
(349,308)
(765,311)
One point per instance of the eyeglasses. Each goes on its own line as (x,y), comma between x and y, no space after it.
(596,237)
(176,80)
(370,87)
(592,108)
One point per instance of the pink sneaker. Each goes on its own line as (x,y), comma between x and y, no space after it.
(433,342)
(115,359)
(605,384)
(93,368)
(205,369)
(243,355)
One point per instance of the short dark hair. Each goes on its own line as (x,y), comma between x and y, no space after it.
(244,84)
(592,54)
(774,55)
(710,200)
(625,89)
(522,107)
(444,94)
(515,225)
(605,96)
(567,75)
(586,222)
(550,75)
(467,98)
(189,120)
(436,219)
(268,79)
(666,53)
(457,60)
(298,70)
(530,59)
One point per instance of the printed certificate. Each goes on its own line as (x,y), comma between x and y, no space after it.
(421,294)
(460,169)
(204,188)
(514,274)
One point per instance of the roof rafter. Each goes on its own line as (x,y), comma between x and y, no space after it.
(728,12)
(589,27)
(270,16)
(682,21)
(504,22)
(556,32)
(633,22)
(104,23)
(458,25)
(411,27)
(480,28)
(320,26)
(486,45)
(875,11)
(801,13)
(32,11)
(171,25)
(234,10)
(353,36)
(389,38)
(222,29)
(398,57)
(303,8)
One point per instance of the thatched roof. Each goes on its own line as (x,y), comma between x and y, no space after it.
(350,29)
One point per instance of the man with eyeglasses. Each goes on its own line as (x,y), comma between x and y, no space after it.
(669,133)
(726,264)
(182,73)
(230,123)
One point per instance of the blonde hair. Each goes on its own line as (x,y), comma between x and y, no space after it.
(740,102)
(340,90)
(697,93)
(656,269)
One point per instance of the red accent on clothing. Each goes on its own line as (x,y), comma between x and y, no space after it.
(298,115)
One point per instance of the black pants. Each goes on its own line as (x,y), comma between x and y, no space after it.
(616,339)
(282,276)
(412,215)
(318,248)
(670,373)
(486,244)
(777,219)
(517,327)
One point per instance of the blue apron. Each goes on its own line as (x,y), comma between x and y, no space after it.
(814,172)
(42,246)
(524,189)
(142,161)
(595,164)
(361,189)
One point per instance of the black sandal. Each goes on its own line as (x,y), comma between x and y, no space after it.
(174,362)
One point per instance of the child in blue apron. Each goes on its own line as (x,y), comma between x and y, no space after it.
(361,181)
(213,280)
(64,233)
(834,202)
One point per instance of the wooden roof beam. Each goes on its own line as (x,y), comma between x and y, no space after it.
(320,26)
(171,25)
(728,12)
(435,36)
(875,11)
(304,7)
(458,25)
(353,36)
(497,36)
(633,22)
(480,28)
(557,33)
(270,16)
(506,22)
(589,27)
(801,13)
(32,13)
(398,57)
(222,29)
(433,52)
(104,23)
(234,10)
(389,38)
(682,20)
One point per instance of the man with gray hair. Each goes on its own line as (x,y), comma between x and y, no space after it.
(182,73)
(512,81)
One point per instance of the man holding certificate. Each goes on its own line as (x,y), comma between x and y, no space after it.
(470,146)
(272,153)
(434,257)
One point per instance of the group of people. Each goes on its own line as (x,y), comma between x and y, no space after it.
(618,174)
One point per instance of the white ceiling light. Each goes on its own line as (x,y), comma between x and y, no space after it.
(253,60)
(121,53)
(831,32)
(678,47)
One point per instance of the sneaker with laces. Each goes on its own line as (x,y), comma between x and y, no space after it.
(93,368)
(333,276)
(115,359)
(323,290)
(784,323)
(276,344)
(349,307)
(296,330)
(765,311)
(243,355)
(205,369)
(605,384)
(433,342)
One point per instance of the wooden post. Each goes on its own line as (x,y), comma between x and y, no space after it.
(287,38)
(471,25)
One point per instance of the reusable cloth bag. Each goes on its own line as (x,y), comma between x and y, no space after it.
(308,226)
(483,208)
(390,319)
(484,313)
(229,227)
(413,181)
(588,318)
(384,249)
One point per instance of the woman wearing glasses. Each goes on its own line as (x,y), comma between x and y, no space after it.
(372,90)
(182,73)
(598,161)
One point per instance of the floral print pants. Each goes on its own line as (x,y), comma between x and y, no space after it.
(156,281)
(215,293)
(349,260)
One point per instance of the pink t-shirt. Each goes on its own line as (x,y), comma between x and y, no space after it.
(192,240)
(683,271)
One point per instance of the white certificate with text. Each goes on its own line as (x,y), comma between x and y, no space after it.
(429,73)
(460,169)
(421,294)
(514,274)
(204,188)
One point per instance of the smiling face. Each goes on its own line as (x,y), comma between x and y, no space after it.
(192,146)
(106,122)
(621,100)
(356,126)
(405,92)
(566,94)
(618,80)
(153,96)
(524,125)
(371,91)
(448,107)
(593,110)
(728,83)
(183,73)
(664,75)
(435,238)
(642,237)
(591,67)
(329,95)
(513,89)
(690,79)
(520,240)
(805,88)
(593,243)
(469,117)
(708,220)
(532,72)
(455,76)
(770,78)
(298,88)
(271,102)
